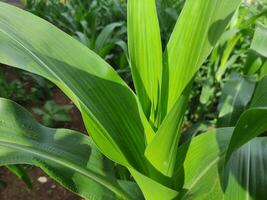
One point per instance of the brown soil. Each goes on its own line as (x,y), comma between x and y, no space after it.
(16,189)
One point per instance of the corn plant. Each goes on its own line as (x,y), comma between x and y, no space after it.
(139,130)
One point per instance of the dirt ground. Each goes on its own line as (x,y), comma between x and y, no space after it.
(15,189)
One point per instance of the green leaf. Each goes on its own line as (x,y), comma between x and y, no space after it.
(252,123)
(21,173)
(253,19)
(263,71)
(197,171)
(260,95)
(236,95)
(246,171)
(208,89)
(145,54)
(110,109)
(197,31)
(256,61)
(259,42)
(104,36)
(225,60)
(253,63)
(151,189)
(67,156)
(162,150)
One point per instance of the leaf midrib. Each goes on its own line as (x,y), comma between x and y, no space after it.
(248,172)
(198,178)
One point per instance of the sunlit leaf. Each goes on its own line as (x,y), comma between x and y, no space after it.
(145,53)
(236,95)
(197,31)
(246,171)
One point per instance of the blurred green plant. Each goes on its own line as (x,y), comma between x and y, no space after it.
(24,87)
(98,24)
(168,11)
(54,114)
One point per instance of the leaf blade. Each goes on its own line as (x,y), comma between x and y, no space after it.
(245,170)
(145,53)
(168,137)
(253,123)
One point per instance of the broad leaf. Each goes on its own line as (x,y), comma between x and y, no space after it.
(252,123)
(236,95)
(256,60)
(152,189)
(67,156)
(197,31)
(110,109)
(197,165)
(168,137)
(246,172)
(260,96)
(259,43)
(145,53)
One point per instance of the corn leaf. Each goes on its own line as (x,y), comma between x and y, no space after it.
(110,109)
(246,171)
(104,36)
(252,123)
(253,63)
(236,95)
(145,53)
(197,171)
(167,138)
(152,189)
(20,172)
(197,31)
(260,96)
(259,42)
(258,50)
(67,156)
